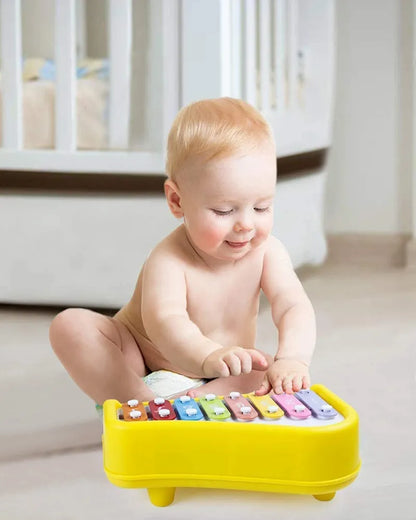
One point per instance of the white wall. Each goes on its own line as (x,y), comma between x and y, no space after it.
(369,181)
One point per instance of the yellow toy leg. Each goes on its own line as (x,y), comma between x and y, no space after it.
(325,498)
(162,496)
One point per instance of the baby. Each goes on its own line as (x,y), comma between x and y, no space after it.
(195,305)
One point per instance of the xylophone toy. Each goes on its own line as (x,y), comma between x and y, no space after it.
(305,443)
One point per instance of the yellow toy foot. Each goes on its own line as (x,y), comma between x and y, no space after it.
(325,498)
(162,496)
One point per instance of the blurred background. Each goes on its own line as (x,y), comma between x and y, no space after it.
(89,89)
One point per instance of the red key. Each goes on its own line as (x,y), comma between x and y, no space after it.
(162,410)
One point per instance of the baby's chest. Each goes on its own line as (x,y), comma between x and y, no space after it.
(227,297)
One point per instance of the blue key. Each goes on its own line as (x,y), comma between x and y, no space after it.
(319,408)
(188,409)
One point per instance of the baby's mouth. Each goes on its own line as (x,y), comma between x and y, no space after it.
(237,245)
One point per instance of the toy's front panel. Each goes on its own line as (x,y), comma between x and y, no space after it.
(285,451)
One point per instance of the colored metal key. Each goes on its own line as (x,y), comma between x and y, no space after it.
(161,410)
(214,408)
(292,406)
(240,407)
(319,408)
(134,411)
(267,408)
(188,409)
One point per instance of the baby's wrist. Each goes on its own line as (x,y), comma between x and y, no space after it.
(291,358)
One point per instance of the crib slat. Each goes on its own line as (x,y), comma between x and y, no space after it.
(170,66)
(280,48)
(11,74)
(120,47)
(65,86)
(265,61)
(250,68)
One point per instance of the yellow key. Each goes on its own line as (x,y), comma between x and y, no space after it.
(266,406)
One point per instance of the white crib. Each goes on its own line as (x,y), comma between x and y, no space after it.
(68,246)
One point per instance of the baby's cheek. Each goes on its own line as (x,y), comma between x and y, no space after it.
(213,235)
(266,228)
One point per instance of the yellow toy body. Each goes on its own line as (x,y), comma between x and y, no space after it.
(258,456)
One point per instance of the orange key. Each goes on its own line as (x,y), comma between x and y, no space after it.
(134,411)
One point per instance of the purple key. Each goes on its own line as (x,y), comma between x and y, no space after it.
(320,408)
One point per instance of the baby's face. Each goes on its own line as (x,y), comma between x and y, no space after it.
(228,203)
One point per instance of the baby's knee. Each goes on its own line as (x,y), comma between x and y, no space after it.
(64,325)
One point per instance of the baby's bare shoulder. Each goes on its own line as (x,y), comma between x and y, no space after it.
(170,250)
(274,247)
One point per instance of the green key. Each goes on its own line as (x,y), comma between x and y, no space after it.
(214,408)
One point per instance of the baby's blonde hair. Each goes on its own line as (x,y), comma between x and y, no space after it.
(214,128)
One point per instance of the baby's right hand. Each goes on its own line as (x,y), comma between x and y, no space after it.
(233,361)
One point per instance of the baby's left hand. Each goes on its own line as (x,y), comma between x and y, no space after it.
(285,376)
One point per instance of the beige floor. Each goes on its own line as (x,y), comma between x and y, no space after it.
(366,353)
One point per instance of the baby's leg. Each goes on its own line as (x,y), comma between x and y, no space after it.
(100,354)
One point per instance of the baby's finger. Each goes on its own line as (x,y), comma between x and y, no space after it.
(258,361)
(306,382)
(223,370)
(277,386)
(264,388)
(287,385)
(297,383)
(246,364)
(234,364)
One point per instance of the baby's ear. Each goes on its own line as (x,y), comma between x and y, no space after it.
(173,197)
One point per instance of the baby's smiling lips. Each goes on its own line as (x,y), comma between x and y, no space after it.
(237,244)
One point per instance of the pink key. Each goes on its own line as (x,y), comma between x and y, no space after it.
(292,406)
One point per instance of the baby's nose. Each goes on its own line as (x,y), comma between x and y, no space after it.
(244,224)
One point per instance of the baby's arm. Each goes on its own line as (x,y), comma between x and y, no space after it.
(294,318)
(179,339)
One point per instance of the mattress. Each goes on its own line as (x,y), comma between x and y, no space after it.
(38,103)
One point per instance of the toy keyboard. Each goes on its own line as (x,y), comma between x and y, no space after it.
(304,443)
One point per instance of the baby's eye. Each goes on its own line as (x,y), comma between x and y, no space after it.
(262,210)
(222,212)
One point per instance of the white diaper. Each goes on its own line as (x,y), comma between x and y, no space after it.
(166,384)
